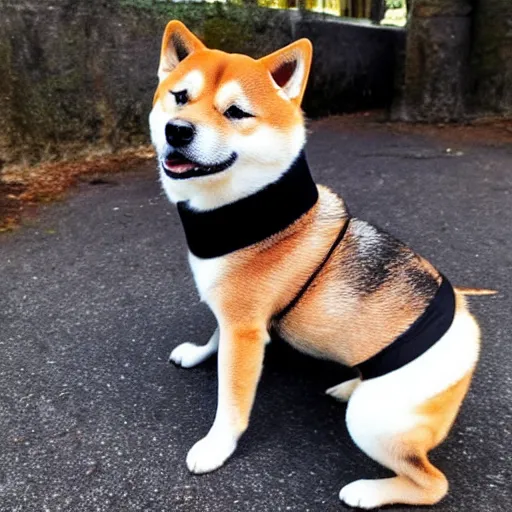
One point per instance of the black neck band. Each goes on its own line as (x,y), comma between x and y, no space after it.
(250,220)
(427,330)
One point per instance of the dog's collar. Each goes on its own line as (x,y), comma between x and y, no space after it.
(217,232)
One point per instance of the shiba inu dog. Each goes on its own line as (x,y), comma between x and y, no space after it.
(272,251)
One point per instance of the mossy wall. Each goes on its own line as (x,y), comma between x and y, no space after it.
(71,77)
(81,73)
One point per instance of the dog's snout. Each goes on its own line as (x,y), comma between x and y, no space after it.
(179,133)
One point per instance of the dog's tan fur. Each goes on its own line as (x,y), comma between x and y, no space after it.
(369,292)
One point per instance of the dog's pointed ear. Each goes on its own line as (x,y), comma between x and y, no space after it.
(289,68)
(177,44)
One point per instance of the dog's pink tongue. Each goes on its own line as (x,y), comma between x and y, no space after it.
(178,167)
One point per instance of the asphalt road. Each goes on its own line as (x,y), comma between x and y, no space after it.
(96,291)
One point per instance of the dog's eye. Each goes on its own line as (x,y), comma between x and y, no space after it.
(235,112)
(181,97)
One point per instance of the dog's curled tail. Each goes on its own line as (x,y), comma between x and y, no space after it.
(463,290)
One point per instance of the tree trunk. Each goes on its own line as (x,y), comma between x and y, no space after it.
(437,61)
(377,10)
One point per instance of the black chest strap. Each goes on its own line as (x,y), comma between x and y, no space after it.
(417,339)
(279,316)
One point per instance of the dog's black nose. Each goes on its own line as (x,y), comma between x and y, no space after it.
(179,133)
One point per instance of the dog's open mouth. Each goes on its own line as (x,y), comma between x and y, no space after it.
(178,167)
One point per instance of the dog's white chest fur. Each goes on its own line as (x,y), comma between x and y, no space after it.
(206,272)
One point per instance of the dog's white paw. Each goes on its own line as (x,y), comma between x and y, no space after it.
(188,355)
(209,453)
(363,494)
(343,391)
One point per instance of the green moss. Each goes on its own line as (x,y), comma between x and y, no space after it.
(191,13)
(224,33)
(226,26)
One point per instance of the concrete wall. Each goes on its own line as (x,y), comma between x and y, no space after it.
(436,66)
(77,74)
(491,58)
(354,65)
(459,61)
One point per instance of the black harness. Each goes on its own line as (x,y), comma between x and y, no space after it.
(428,329)
(250,220)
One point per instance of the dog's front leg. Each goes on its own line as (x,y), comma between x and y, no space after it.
(188,355)
(240,361)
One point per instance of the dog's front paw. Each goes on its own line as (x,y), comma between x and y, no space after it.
(362,494)
(209,453)
(188,355)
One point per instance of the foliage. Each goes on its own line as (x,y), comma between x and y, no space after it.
(395,4)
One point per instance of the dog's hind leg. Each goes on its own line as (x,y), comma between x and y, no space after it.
(399,438)
(343,391)
(188,355)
